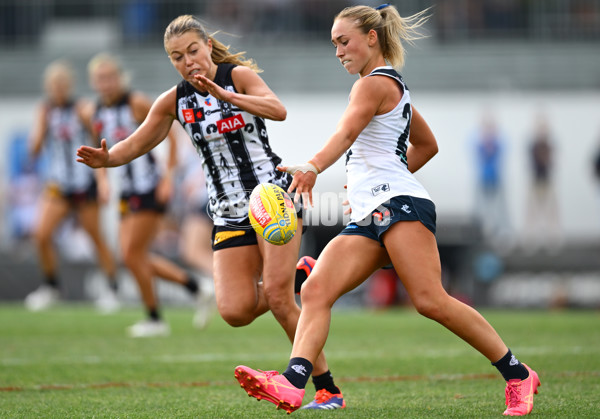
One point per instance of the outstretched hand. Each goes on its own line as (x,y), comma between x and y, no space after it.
(93,157)
(212,87)
(303,182)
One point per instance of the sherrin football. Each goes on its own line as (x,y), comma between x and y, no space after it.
(272,213)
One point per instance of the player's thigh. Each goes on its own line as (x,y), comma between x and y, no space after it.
(88,215)
(52,211)
(236,273)
(414,252)
(137,231)
(279,262)
(345,263)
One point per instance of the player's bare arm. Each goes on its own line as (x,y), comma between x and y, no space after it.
(149,134)
(39,131)
(422,146)
(366,100)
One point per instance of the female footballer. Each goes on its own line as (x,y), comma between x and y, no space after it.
(392,219)
(222,103)
(144,192)
(60,128)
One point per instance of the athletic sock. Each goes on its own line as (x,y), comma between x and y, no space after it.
(511,368)
(298,371)
(153,314)
(325,381)
(51,281)
(191,285)
(112,283)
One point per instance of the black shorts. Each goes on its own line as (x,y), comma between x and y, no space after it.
(399,208)
(74,198)
(238,234)
(132,203)
(241,234)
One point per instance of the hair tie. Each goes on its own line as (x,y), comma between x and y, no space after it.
(383,6)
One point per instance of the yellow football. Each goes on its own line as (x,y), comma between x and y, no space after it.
(272,213)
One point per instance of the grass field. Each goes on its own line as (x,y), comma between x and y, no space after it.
(72,362)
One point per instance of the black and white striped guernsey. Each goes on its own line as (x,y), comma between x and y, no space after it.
(115,123)
(233,146)
(65,133)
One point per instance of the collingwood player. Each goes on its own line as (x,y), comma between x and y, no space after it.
(393,219)
(222,103)
(59,130)
(144,193)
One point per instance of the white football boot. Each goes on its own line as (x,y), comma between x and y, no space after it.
(205,303)
(149,328)
(42,298)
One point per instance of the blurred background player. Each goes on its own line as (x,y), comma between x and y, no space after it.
(393,221)
(144,193)
(71,188)
(196,227)
(222,103)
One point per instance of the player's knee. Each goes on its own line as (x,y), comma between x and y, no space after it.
(131,257)
(430,306)
(315,291)
(236,319)
(42,238)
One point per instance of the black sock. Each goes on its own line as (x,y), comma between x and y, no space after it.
(298,372)
(153,314)
(51,281)
(112,283)
(325,381)
(511,368)
(191,285)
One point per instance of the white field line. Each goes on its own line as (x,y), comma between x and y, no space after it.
(281,356)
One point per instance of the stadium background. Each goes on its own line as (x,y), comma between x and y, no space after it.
(510,59)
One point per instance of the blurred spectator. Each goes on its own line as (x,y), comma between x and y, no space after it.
(24,187)
(491,210)
(139,19)
(596,164)
(542,223)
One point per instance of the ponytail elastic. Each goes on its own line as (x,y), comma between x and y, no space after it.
(383,6)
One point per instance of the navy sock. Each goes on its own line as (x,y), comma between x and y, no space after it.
(191,285)
(325,381)
(510,367)
(298,372)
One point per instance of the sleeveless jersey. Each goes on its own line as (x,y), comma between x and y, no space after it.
(376,164)
(233,147)
(64,135)
(115,123)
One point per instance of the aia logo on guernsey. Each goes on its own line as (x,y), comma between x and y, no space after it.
(193,115)
(259,212)
(230,124)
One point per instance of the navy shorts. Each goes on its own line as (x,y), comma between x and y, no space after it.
(399,208)
(132,203)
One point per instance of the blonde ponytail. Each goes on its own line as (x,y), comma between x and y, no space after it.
(390,27)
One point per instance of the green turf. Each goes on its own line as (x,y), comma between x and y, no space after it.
(72,362)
